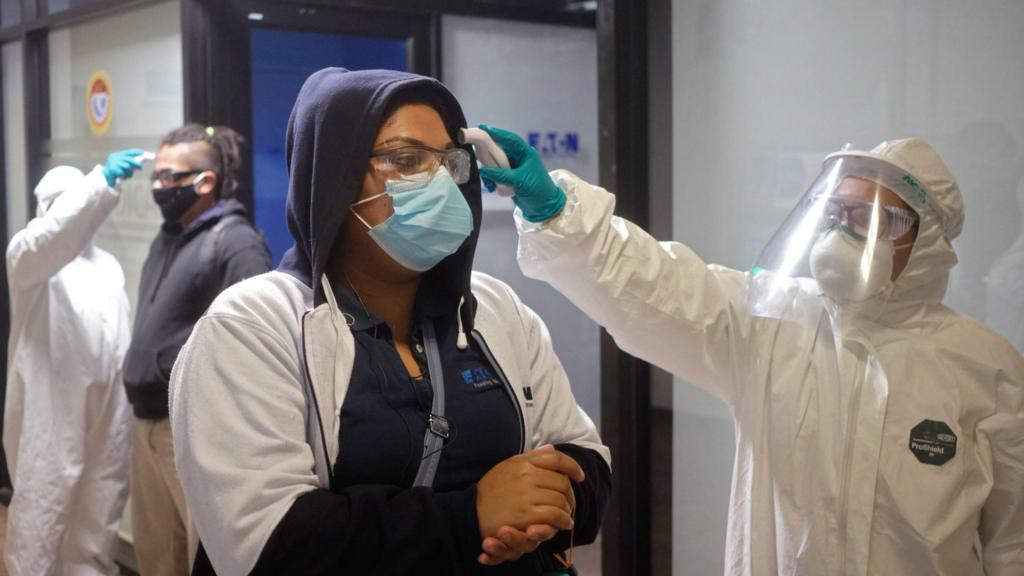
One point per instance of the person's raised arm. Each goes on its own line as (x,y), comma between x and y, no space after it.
(659,300)
(69,222)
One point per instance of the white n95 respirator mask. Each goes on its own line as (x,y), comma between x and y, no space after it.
(847,269)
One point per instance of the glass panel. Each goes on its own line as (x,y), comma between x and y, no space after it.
(762,94)
(562,124)
(281,62)
(140,53)
(14,139)
(10,13)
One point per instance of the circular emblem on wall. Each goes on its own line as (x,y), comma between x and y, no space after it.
(99,102)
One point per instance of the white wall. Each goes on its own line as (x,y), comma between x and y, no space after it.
(762,91)
(532,78)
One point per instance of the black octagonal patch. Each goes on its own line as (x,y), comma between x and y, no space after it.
(932,442)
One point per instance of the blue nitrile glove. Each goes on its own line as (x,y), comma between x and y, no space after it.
(536,194)
(121,165)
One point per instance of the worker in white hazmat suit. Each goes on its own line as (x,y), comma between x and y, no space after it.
(878,431)
(66,419)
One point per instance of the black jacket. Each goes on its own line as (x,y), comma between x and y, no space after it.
(182,275)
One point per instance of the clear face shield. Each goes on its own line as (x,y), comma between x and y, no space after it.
(838,241)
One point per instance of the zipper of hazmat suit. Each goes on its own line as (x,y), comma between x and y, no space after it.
(855,348)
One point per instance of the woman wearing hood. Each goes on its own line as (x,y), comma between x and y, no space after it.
(375,406)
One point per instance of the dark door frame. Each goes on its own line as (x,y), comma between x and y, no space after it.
(625,380)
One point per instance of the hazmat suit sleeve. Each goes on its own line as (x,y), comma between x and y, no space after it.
(1002,518)
(658,300)
(49,242)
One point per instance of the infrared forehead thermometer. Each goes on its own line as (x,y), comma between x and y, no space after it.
(146,156)
(487,152)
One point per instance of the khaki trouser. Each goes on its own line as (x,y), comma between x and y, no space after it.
(160,517)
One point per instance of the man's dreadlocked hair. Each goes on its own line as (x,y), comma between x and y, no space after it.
(222,153)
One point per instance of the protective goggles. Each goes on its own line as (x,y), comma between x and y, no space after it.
(864,220)
(168,177)
(407,161)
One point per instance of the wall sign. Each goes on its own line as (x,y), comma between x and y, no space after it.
(555,144)
(99,102)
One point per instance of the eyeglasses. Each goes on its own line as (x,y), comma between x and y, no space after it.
(401,163)
(856,215)
(168,177)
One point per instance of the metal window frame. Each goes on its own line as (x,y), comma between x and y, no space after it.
(622,58)
(5,308)
(660,152)
(479,8)
(34,16)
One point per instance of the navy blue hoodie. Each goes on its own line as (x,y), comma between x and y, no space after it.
(333,125)
(380,529)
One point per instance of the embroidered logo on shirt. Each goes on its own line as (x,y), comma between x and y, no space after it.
(480,378)
(933,442)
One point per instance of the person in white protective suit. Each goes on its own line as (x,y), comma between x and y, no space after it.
(66,418)
(878,431)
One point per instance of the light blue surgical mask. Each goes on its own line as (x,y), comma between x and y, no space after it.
(430,222)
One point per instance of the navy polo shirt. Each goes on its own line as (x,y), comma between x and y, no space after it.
(384,415)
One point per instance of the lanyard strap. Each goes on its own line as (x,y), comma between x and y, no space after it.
(437,426)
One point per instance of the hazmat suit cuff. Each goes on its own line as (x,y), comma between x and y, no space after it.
(567,182)
(97,181)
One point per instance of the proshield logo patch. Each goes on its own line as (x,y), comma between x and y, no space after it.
(933,442)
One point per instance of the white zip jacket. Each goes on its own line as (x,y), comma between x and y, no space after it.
(825,479)
(256,394)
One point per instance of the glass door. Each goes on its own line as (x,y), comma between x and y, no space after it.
(286,45)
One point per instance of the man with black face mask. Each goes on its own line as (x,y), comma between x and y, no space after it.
(205,245)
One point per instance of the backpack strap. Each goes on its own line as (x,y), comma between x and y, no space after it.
(437,425)
(207,276)
(208,251)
